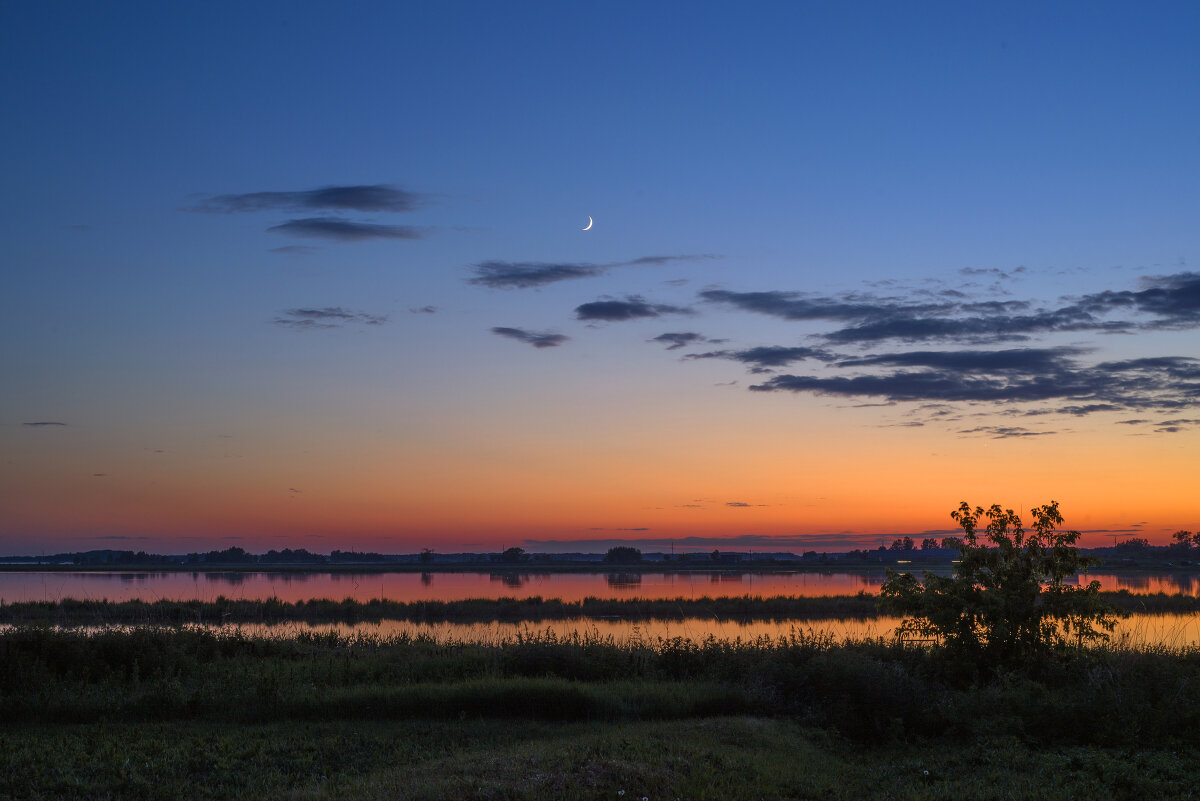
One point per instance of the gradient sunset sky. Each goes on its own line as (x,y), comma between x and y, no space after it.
(313,274)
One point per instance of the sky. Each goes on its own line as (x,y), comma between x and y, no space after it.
(315,274)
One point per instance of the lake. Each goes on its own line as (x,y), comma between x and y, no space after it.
(438,586)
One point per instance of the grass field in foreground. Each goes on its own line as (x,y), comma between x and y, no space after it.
(150,713)
(714,758)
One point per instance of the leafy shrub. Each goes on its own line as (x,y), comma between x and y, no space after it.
(1007,600)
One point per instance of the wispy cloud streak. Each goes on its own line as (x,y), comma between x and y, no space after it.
(341,230)
(633,307)
(539,339)
(369,197)
(326,317)
(496,274)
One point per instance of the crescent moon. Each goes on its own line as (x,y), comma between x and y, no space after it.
(588,227)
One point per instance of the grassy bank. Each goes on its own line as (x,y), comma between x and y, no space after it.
(180,713)
(72,612)
(869,691)
(725,758)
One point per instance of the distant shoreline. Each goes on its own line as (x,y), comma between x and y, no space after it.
(552,567)
(465,567)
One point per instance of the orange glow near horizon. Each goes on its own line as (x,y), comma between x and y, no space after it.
(823,477)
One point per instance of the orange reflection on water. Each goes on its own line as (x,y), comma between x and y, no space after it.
(1170,631)
(427,586)
(439,586)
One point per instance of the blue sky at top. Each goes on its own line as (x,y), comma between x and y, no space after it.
(1020,151)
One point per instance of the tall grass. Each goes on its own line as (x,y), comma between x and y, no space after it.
(866,690)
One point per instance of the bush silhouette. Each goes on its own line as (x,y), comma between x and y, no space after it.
(1007,601)
(623,555)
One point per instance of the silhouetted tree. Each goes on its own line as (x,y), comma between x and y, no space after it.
(623,555)
(903,544)
(1183,540)
(715,556)
(1007,599)
(1133,545)
(929,544)
(514,555)
(952,542)
(300,555)
(426,555)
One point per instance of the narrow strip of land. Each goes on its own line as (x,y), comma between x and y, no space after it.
(73,612)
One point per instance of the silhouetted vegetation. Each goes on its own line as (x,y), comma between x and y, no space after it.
(623,555)
(514,555)
(863,606)
(71,612)
(1007,600)
(866,691)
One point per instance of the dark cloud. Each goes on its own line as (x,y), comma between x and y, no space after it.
(1023,381)
(1175,426)
(797,306)
(326,317)
(423,310)
(529,274)
(660,260)
(993,272)
(1165,302)
(1025,360)
(632,308)
(43,423)
(1017,376)
(738,504)
(674,340)
(1090,408)
(376,197)
(341,230)
(539,339)
(767,357)
(295,250)
(900,323)
(1005,432)
(1173,299)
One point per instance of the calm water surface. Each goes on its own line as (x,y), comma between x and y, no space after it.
(1173,631)
(153,586)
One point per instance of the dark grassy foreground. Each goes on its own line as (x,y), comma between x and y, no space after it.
(72,612)
(716,758)
(171,713)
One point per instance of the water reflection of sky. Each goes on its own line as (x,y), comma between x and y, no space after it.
(152,586)
(1171,631)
